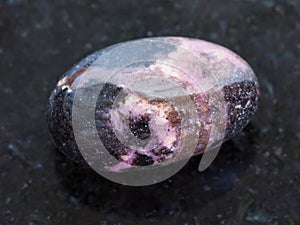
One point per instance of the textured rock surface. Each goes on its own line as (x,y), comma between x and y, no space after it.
(225,87)
(255,178)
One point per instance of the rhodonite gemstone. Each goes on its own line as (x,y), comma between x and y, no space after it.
(152,101)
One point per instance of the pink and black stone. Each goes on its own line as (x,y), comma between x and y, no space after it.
(212,76)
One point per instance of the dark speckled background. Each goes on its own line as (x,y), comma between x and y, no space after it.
(255,178)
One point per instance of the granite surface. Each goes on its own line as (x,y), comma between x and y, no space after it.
(255,178)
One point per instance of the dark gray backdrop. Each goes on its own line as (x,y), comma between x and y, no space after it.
(255,178)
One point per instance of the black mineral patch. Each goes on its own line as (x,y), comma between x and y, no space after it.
(139,126)
(106,134)
(59,118)
(242,100)
(142,160)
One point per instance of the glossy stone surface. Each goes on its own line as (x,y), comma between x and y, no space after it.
(221,86)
